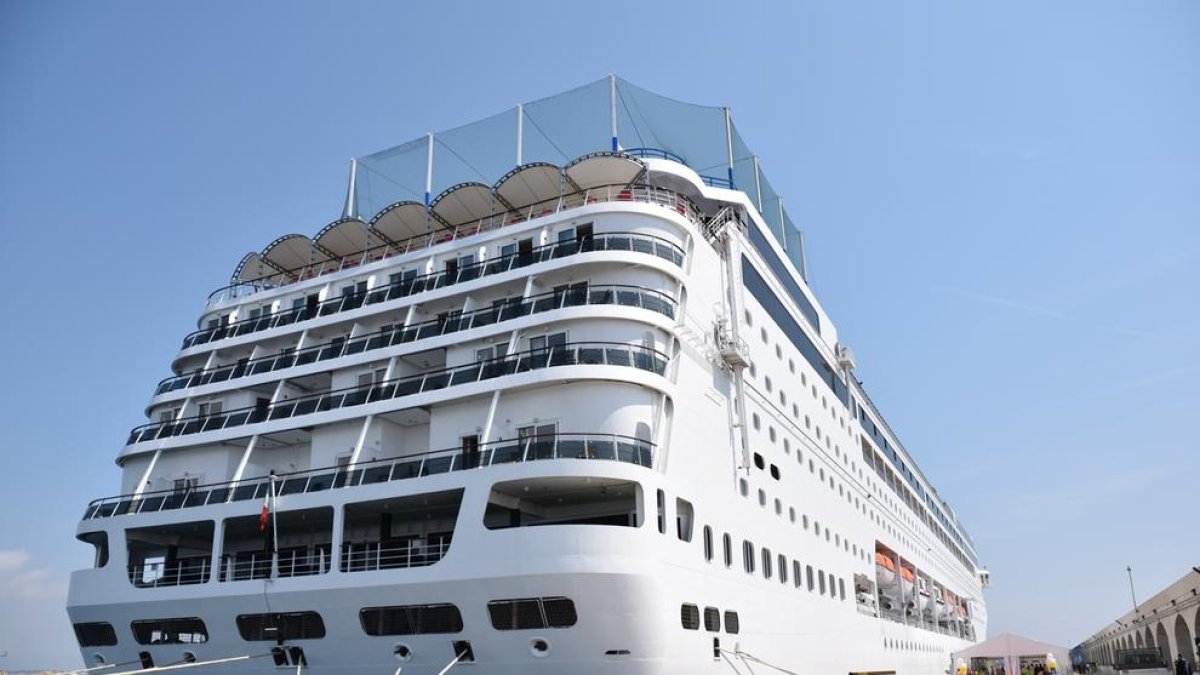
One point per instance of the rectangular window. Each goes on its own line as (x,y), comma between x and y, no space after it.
(732,624)
(808,571)
(186,484)
(748,556)
(281,626)
(689,616)
(662,512)
(821,580)
(96,634)
(532,613)
(712,619)
(708,544)
(728,545)
(209,408)
(842,588)
(683,519)
(411,619)
(797,573)
(184,631)
(766,563)
(782,569)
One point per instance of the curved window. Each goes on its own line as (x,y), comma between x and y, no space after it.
(281,626)
(732,625)
(182,631)
(712,619)
(411,619)
(95,634)
(532,613)
(689,616)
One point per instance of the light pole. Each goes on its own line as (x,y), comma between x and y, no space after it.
(1129,569)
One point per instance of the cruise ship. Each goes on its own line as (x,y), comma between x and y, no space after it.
(553,395)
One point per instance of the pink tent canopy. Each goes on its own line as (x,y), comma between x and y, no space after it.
(1011,648)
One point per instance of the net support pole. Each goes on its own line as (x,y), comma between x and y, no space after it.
(758,185)
(429,169)
(350,210)
(520,130)
(729,145)
(612,110)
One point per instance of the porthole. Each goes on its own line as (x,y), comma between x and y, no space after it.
(402,652)
(539,647)
(189,657)
(98,659)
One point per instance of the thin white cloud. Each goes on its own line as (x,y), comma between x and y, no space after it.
(1048,312)
(21,581)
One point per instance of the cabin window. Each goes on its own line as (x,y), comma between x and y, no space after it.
(683,519)
(732,624)
(689,616)
(708,544)
(712,619)
(782,569)
(748,556)
(183,631)
(728,546)
(766,563)
(411,619)
(821,581)
(808,572)
(281,626)
(95,634)
(662,512)
(532,613)
(797,574)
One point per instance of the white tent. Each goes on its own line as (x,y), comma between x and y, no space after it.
(1011,648)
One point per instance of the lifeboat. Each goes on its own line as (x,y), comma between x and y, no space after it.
(885,571)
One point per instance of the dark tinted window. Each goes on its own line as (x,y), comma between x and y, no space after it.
(281,626)
(712,619)
(526,613)
(411,619)
(183,631)
(97,634)
(689,616)
(731,622)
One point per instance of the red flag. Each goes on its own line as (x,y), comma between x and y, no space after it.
(266,512)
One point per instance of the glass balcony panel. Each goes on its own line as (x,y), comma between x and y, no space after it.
(435,382)
(468,374)
(436,465)
(282,411)
(591,355)
(356,346)
(376,474)
(571,449)
(410,469)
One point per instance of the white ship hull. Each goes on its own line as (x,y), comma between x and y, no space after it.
(652,461)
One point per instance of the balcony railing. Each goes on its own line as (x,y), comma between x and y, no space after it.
(609,193)
(576,295)
(570,354)
(402,288)
(370,556)
(296,562)
(611,447)
(179,572)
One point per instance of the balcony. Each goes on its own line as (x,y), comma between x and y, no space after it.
(570,354)
(608,241)
(644,194)
(582,446)
(576,295)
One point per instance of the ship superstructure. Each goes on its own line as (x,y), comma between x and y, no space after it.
(552,396)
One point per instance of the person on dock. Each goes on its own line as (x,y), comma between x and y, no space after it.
(1182,667)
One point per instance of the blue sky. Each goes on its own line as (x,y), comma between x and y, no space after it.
(1001,203)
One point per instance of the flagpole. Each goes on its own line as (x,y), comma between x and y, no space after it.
(274,525)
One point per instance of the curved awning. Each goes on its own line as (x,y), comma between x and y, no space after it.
(604,168)
(529,184)
(346,236)
(466,203)
(252,267)
(401,221)
(293,251)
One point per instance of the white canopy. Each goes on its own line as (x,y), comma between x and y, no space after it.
(1011,648)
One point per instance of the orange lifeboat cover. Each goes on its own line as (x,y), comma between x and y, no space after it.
(881,559)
